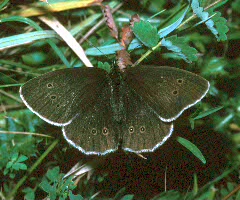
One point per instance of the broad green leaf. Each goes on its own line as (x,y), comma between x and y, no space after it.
(75,197)
(146,33)
(9,165)
(128,197)
(215,66)
(53,174)
(18,166)
(5,172)
(193,148)
(46,186)
(12,175)
(22,158)
(35,58)
(29,193)
(105,66)
(180,48)
(15,156)
(53,195)
(68,184)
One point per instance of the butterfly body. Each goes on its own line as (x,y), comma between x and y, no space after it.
(98,110)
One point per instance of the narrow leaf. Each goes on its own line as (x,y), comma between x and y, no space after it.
(193,148)
(166,30)
(111,49)
(38,28)
(128,197)
(103,50)
(25,38)
(208,112)
(195,184)
(40,8)
(199,115)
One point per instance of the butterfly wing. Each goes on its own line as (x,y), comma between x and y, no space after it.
(58,97)
(94,132)
(143,130)
(168,91)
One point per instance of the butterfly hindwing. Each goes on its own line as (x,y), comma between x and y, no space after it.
(168,91)
(143,130)
(94,131)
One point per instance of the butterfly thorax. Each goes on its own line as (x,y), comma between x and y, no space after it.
(118,90)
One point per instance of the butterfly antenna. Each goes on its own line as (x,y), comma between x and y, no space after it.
(92,45)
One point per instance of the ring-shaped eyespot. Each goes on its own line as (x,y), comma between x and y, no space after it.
(49,85)
(131,129)
(142,129)
(179,81)
(53,97)
(105,131)
(175,92)
(94,131)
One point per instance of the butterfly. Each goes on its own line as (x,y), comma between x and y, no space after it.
(98,111)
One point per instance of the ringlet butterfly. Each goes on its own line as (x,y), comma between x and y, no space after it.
(98,110)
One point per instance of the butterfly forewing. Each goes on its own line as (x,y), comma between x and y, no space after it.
(168,91)
(59,96)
